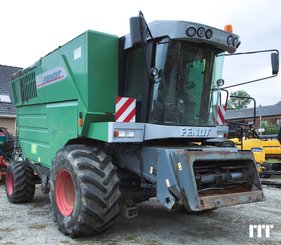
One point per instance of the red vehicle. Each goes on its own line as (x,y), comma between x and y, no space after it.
(3,166)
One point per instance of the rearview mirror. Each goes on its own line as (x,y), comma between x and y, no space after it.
(274,55)
(275,63)
(137,30)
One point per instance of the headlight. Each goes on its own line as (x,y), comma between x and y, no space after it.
(201,32)
(230,40)
(235,41)
(124,133)
(190,31)
(209,33)
(130,133)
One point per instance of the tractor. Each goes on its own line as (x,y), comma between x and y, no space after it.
(6,150)
(108,122)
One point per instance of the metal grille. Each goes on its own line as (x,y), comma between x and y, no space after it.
(15,94)
(28,86)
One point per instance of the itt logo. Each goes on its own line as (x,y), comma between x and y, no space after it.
(259,231)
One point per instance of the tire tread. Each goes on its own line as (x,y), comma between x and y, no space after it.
(99,187)
(24,182)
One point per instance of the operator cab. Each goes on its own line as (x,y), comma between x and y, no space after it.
(173,72)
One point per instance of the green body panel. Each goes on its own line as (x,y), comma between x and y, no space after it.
(43,130)
(62,124)
(103,85)
(33,132)
(99,131)
(78,79)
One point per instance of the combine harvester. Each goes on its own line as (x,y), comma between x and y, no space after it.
(108,122)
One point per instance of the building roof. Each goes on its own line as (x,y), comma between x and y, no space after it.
(264,111)
(6,109)
(5,77)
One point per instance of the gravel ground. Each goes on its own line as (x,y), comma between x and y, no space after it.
(32,223)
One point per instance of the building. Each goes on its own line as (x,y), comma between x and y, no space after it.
(7,110)
(265,115)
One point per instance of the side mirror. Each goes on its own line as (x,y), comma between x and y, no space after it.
(275,63)
(138,30)
(220,82)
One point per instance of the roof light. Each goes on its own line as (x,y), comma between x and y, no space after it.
(230,40)
(228,28)
(190,31)
(201,32)
(235,41)
(209,33)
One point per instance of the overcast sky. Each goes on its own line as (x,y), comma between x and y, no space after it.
(31,28)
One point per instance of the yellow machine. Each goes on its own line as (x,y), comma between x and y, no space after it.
(267,154)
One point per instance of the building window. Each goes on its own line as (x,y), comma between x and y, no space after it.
(264,123)
(5,98)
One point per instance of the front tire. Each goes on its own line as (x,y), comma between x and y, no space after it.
(84,190)
(19,182)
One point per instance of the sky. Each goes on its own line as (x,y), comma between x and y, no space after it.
(30,29)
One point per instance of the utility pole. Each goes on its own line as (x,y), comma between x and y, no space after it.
(260,120)
(260,115)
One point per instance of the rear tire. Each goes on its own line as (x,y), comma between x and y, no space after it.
(84,190)
(20,182)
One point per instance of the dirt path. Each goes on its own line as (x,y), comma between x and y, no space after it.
(33,224)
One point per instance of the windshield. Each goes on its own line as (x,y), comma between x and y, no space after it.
(184,91)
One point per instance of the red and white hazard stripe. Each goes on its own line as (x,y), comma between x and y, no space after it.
(125,109)
(221,115)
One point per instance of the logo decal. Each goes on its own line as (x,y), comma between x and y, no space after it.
(260,229)
(195,132)
(53,75)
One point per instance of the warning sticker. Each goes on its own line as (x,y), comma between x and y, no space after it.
(77,53)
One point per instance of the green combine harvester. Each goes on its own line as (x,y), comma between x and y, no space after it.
(105,123)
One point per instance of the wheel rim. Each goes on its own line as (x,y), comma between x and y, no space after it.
(10,184)
(65,192)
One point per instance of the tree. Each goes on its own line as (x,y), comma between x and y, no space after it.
(238,103)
